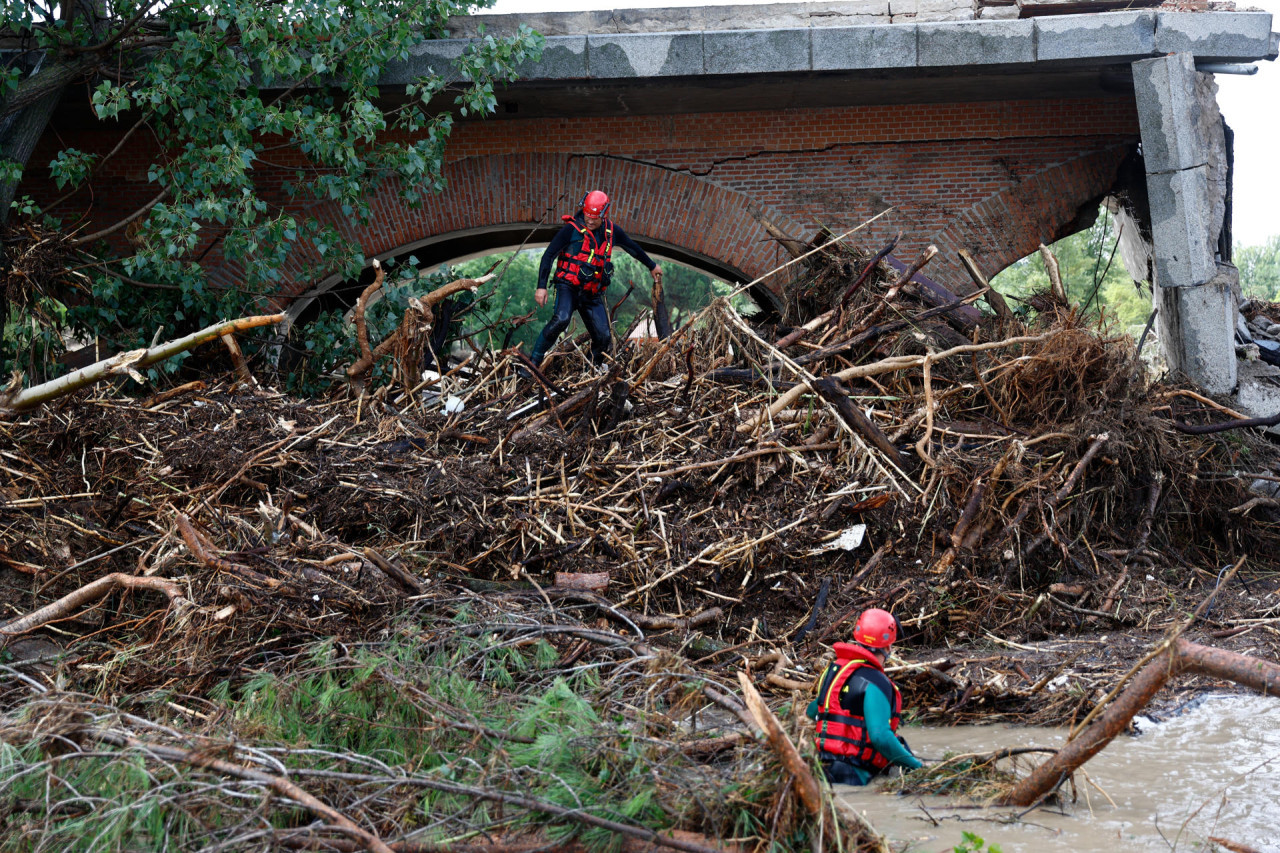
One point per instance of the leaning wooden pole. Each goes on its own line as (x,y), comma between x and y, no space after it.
(1182,657)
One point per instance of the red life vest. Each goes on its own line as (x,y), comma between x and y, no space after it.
(841,732)
(582,264)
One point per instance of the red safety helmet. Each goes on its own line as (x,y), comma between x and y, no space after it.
(595,203)
(876,629)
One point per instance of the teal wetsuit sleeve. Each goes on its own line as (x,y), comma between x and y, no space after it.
(876,708)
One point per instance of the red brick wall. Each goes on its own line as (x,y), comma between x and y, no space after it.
(993,177)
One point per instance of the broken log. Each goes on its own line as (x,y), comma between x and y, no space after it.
(795,248)
(592,581)
(423,306)
(666,623)
(857,420)
(243,374)
(993,297)
(362,305)
(396,573)
(1055,275)
(15,400)
(661,317)
(866,271)
(806,785)
(904,276)
(1182,657)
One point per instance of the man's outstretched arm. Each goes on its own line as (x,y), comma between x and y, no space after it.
(876,709)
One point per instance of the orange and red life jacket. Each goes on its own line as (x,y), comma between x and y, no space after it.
(841,731)
(582,263)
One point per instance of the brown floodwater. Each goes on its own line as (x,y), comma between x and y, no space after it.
(1211,770)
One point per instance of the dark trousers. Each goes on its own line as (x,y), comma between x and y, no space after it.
(841,772)
(591,308)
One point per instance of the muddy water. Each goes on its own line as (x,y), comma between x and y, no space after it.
(1213,770)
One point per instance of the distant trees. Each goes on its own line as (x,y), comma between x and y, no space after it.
(1094,277)
(1260,269)
(1096,280)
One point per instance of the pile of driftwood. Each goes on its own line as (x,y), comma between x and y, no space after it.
(741,490)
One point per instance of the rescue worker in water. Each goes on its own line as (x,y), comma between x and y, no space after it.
(582,250)
(858,708)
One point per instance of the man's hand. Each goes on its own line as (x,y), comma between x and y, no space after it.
(656,272)
(540,297)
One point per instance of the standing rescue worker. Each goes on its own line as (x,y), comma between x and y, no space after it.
(858,708)
(582,250)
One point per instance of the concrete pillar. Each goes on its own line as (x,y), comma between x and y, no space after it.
(1184,153)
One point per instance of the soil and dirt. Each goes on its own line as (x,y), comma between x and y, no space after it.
(1025,499)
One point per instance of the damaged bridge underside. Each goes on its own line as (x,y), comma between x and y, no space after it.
(959,124)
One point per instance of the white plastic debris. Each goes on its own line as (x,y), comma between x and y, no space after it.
(849,539)
(452,405)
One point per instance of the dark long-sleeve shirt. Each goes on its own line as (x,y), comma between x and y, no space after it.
(567,232)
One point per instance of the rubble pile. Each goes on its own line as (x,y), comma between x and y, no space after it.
(725,500)
(1262,324)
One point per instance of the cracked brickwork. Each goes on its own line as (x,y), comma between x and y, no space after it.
(995,177)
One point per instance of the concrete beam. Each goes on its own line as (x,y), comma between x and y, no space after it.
(1168,113)
(1110,34)
(840,13)
(857,35)
(1258,393)
(563,58)
(1184,158)
(977,43)
(1231,36)
(863,48)
(1181,226)
(756,51)
(646,55)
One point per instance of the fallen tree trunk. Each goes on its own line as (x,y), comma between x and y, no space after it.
(807,785)
(856,419)
(1182,657)
(130,362)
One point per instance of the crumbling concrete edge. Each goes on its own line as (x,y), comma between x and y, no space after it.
(1098,38)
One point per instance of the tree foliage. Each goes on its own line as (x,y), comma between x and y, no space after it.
(223,86)
(1092,273)
(1260,269)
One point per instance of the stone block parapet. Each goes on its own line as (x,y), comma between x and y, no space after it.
(857,35)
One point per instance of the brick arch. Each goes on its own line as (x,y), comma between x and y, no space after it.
(505,194)
(1043,207)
